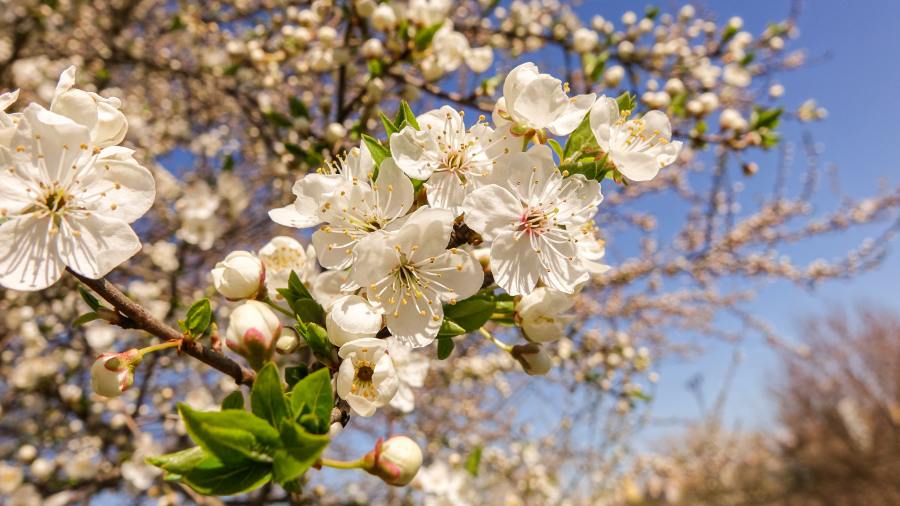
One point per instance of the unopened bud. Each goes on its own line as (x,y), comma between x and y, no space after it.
(240,276)
(535,361)
(113,373)
(750,168)
(396,461)
(252,331)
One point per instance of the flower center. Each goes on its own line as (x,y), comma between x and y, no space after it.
(56,199)
(283,258)
(365,373)
(534,221)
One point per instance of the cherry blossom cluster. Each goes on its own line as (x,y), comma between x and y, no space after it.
(440,212)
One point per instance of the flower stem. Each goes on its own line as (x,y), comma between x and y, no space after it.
(490,337)
(161,346)
(268,300)
(340,464)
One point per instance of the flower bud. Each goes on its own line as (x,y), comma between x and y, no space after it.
(396,461)
(240,276)
(113,373)
(252,331)
(384,18)
(534,360)
(372,48)
(584,40)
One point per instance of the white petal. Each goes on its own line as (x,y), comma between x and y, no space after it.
(491,210)
(574,114)
(515,264)
(93,245)
(541,102)
(561,270)
(29,259)
(394,191)
(373,259)
(411,327)
(415,152)
(59,140)
(636,165)
(444,190)
(577,200)
(455,274)
(604,114)
(124,189)
(404,400)
(516,81)
(333,249)
(534,177)
(425,233)
(351,317)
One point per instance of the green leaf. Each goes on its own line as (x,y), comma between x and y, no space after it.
(302,303)
(294,374)
(626,101)
(298,108)
(314,393)
(556,147)
(471,313)
(445,347)
(296,286)
(426,35)
(389,127)
(278,119)
(316,338)
(473,461)
(450,328)
(378,150)
(89,298)
(198,318)
(85,318)
(301,450)
(406,116)
(234,400)
(581,139)
(179,462)
(267,399)
(231,436)
(376,68)
(212,477)
(765,118)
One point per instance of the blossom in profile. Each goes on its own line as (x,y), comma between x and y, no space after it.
(638,147)
(535,101)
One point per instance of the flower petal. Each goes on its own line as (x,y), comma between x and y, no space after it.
(491,210)
(414,326)
(123,187)
(425,233)
(58,143)
(394,192)
(557,253)
(604,113)
(94,244)
(455,274)
(444,190)
(574,114)
(29,259)
(515,264)
(415,152)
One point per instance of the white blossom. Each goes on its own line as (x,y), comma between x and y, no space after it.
(113,373)
(240,276)
(366,378)
(533,222)
(283,255)
(412,368)
(638,147)
(541,314)
(66,202)
(409,273)
(537,101)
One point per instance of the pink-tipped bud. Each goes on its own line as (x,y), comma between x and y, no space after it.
(240,276)
(253,329)
(113,373)
(396,461)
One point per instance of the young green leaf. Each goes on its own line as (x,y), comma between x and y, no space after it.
(198,318)
(234,400)
(89,298)
(314,392)
(471,313)
(473,461)
(267,399)
(407,116)
(85,318)
(301,450)
(378,150)
(179,462)
(298,108)
(445,347)
(581,140)
(231,436)
(626,102)
(294,374)
(426,35)
(389,126)
(212,477)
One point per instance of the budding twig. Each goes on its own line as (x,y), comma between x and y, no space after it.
(140,318)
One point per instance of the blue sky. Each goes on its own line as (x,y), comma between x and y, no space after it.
(853,49)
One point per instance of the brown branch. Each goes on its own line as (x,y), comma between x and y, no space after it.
(140,318)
